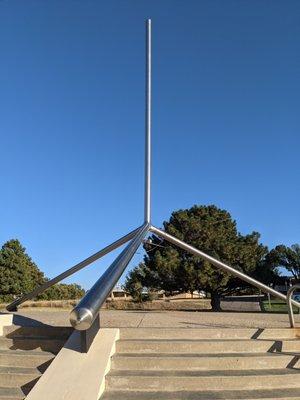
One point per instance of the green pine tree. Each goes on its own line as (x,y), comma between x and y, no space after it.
(213,231)
(286,257)
(18,273)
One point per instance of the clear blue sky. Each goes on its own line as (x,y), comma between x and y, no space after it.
(226,95)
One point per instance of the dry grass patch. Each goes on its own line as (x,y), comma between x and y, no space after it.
(178,305)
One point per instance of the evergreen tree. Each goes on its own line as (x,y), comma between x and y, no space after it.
(62,291)
(287,257)
(133,283)
(213,231)
(18,273)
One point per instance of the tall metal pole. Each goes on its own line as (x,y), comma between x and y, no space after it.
(148,125)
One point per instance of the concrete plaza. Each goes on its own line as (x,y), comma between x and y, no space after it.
(167,319)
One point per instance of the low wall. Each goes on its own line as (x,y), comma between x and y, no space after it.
(74,375)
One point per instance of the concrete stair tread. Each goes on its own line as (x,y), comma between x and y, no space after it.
(203,362)
(11,393)
(207,382)
(23,353)
(19,370)
(210,333)
(285,394)
(202,355)
(24,378)
(31,337)
(50,345)
(198,364)
(39,330)
(201,340)
(207,346)
(200,373)
(26,359)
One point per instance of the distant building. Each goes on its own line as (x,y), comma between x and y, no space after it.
(119,293)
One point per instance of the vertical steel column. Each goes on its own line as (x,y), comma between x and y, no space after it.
(148,125)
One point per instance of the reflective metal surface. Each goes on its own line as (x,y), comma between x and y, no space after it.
(220,264)
(289,302)
(148,125)
(83,315)
(13,306)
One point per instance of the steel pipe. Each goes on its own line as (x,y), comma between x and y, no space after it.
(13,306)
(83,315)
(148,125)
(289,304)
(220,264)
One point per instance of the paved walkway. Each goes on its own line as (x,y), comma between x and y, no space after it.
(174,319)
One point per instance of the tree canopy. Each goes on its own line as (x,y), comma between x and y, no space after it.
(287,257)
(20,275)
(212,230)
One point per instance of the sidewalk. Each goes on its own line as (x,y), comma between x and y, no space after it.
(170,319)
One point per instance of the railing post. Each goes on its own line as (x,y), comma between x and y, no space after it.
(289,304)
(87,336)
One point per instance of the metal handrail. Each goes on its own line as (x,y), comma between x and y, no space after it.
(84,314)
(14,305)
(289,302)
(220,264)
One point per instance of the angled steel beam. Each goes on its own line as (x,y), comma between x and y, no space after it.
(220,264)
(86,311)
(14,305)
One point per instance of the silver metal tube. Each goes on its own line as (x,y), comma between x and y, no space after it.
(148,125)
(83,315)
(289,304)
(13,306)
(220,264)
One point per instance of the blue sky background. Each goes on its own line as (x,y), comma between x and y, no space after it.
(226,91)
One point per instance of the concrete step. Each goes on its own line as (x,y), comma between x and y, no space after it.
(191,362)
(31,359)
(32,343)
(285,394)
(25,353)
(207,346)
(11,393)
(289,346)
(17,376)
(208,333)
(58,332)
(202,380)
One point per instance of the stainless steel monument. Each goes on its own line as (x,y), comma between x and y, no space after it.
(85,315)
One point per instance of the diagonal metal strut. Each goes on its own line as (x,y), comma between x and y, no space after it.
(86,311)
(124,239)
(220,264)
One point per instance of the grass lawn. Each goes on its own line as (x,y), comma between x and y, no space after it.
(276,306)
